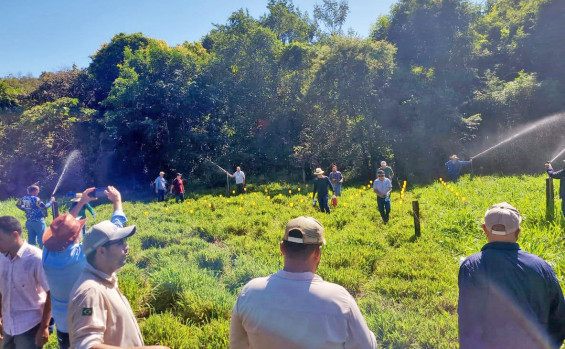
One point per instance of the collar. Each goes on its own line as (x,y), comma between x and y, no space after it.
(297,276)
(498,245)
(20,253)
(111,279)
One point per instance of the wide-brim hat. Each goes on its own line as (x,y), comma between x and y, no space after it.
(63,231)
(77,197)
(318,171)
(454,157)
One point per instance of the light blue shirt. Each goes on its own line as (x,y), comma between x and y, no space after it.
(382,186)
(62,269)
(160,183)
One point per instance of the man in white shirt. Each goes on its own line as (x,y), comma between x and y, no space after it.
(24,291)
(239,179)
(382,187)
(295,308)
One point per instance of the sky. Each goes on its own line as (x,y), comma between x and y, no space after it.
(39,35)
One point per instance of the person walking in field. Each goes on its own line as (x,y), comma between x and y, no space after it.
(383,187)
(35,223)
(239,176)
(508,298)
(321,186)
(558,175)
(389,173)
(160,186)
(99,315)
(336,178)
(454,167)
(295,308)
(177,188)
(24,291)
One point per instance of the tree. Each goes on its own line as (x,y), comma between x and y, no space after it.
(333,14)
(289,24)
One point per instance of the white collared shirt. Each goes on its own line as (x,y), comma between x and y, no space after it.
(23,286)
(297,310)
(239,177)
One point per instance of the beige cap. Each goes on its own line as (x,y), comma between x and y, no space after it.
(318,171)
(104,232)
(454,157)
(312,231)
(503,214)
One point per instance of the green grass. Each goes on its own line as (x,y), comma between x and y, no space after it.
(188,261)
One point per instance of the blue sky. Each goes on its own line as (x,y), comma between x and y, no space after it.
(40,35)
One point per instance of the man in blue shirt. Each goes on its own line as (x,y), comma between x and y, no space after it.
(382,186)
(558,175)
(35,223)
(64,258)
(160,186)
(508,298)
(454,167)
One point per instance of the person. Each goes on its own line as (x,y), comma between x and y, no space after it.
(177,188)
(321,186)
(383,187)
(24,291)
(508,298)
(454,167)
(99,316)
(239,179)
(64,259)
(35,223)
(82,212)
(296,308)
(389,173)
(558,175)
(160,186)
(336,178)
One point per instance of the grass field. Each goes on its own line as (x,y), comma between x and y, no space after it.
(188,261)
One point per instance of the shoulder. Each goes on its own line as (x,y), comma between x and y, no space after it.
(33,252)
(255,284)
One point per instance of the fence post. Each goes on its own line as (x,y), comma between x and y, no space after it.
(227,185)
(55,209)
(549,199)
(416,213)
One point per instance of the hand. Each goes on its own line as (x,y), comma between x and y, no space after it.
(42,336)
(86,198)
(113,194)
(52,198)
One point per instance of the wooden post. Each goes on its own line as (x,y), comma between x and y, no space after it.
(416,213)
(549,199)
(227,185)
(472,171)
(55,209)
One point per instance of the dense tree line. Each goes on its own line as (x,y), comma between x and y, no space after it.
(286,92)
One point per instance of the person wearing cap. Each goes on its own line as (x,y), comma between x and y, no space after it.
(239,176)
(99,316)
(24,290)
(336,178)
(454,167)
(295,308)
(82,212)
(177,188)
(558,175)
(33,208)
(508,298)
(389,173)
(383,187)
(321,186)
(160,186)
(64,259)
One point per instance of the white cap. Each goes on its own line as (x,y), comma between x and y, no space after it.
(503,214)
(383,163)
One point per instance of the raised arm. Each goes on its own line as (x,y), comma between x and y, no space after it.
(84,200)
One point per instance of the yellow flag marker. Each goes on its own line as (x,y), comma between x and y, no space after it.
(298,189)
(254,203)
(290,191)
(233,191)
(240,208)
(146,213)
(268,197)
(166,208)
(191,211)
(291,204)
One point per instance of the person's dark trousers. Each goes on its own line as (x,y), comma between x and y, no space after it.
(63,340)
(239,188)
(384,207)
(179,197)
(160,195)
(25,340)
(323,200)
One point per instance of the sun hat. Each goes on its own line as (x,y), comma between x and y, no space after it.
(503,214)
(104,232)
(312,231)
(383,163)
(454,157)
(318,171)
(63,231)
(77,197)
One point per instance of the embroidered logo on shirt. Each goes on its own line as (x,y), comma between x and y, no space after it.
(86,311)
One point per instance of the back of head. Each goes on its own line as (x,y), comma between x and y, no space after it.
(502,221)
(303,236)
(32,189)
(9,224)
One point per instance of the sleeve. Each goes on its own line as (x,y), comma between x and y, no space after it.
(447,164)
(238,335)
(555,174)
(314,188)
(40,276)
(556,321)
(468,309)
(119,218)
(465,162)
(87,318)
(331,186)
(389,184)
(359,334)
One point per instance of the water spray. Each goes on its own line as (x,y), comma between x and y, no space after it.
(72,156)
(558,155)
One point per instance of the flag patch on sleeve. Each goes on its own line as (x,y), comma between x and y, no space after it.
(86,311)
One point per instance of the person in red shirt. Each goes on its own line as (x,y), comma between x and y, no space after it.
(178,188)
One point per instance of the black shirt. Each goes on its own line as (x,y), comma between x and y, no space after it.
(321,186)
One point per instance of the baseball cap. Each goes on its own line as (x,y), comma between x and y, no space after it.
(104,232)
(63,231)
(503,214)
(312,231)
(380,172)
(383,163)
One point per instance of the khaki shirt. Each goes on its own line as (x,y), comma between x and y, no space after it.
(99,313)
